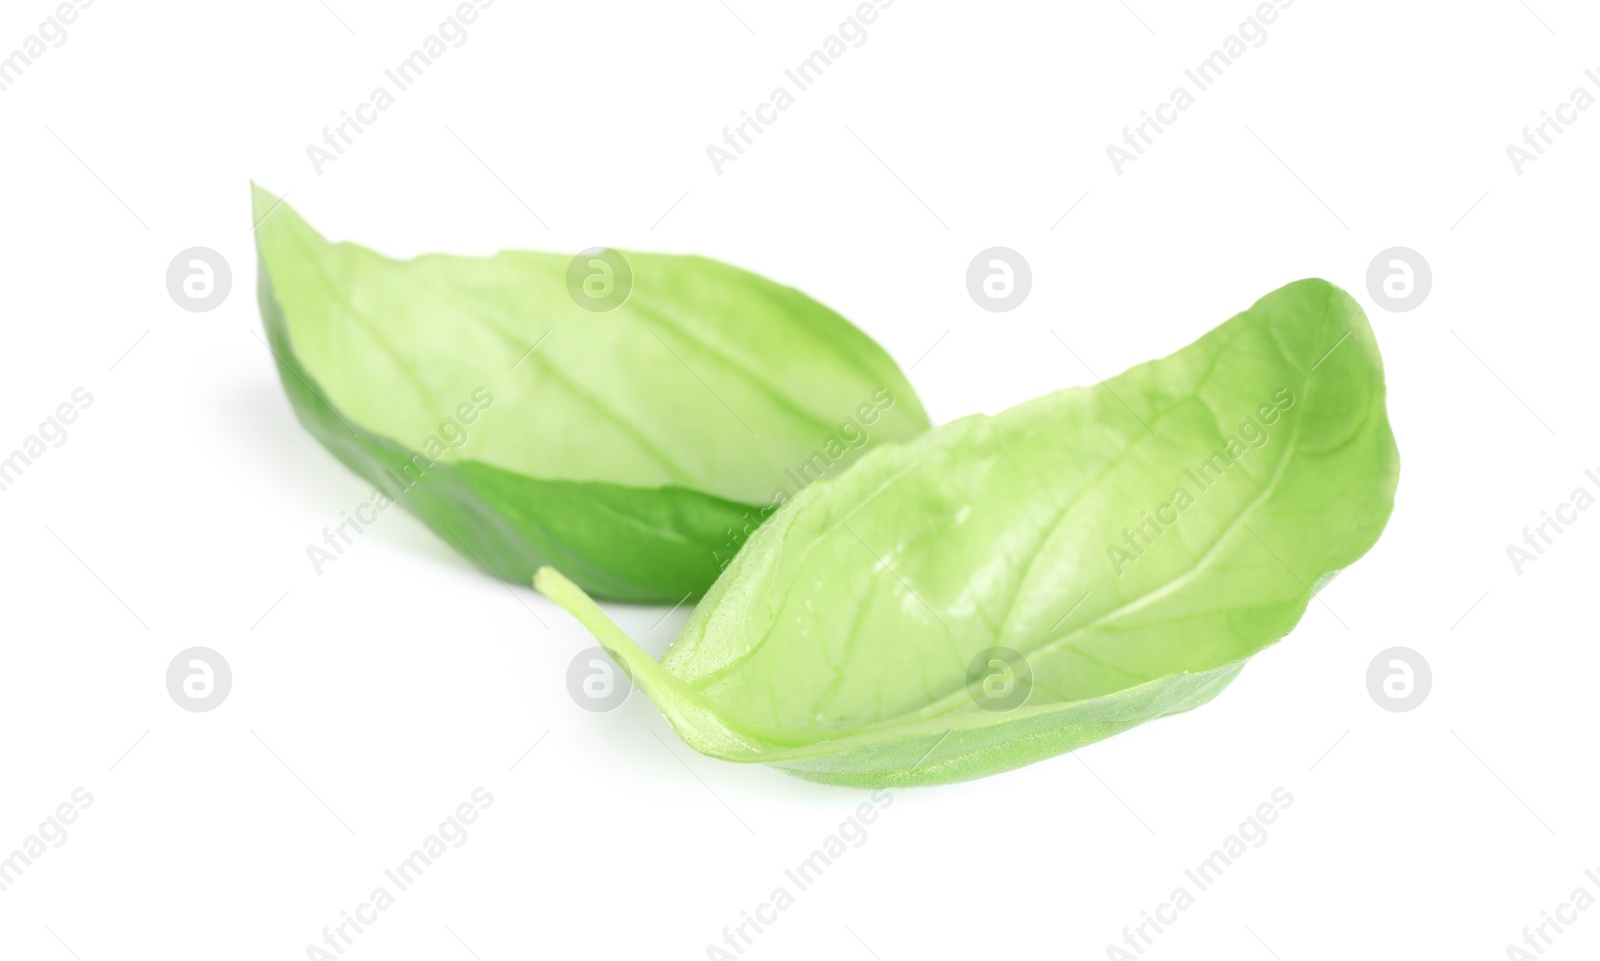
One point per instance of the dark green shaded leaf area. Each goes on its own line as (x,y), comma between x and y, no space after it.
(633,448)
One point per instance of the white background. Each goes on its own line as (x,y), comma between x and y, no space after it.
(371,700)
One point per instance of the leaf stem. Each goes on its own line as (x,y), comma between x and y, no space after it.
(696,719)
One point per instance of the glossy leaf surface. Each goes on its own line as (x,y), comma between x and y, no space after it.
(633,447)
(1004,589)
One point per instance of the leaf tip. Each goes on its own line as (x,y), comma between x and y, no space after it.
(261,196)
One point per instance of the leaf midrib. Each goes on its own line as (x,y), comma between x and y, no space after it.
(956,696)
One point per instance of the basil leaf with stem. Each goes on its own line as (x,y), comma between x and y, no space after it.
(1004,589)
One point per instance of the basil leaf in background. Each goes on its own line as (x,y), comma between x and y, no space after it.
(634,446)
(1004,589)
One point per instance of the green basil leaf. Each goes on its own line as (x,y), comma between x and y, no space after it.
(1004,589)
(634,447)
